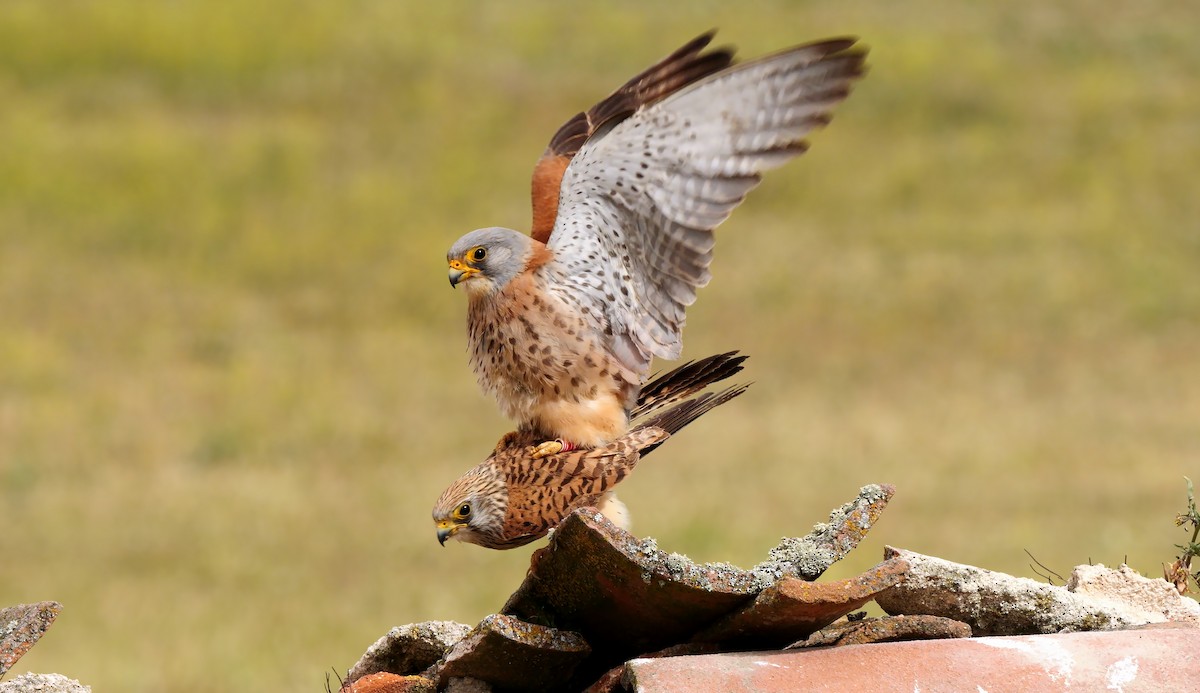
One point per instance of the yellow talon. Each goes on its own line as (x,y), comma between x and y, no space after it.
(546,449)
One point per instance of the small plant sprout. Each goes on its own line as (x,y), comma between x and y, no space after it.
(1179,571)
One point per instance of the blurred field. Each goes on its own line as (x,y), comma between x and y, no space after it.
(233,379)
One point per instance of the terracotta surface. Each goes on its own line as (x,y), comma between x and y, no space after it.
(384,682)
(611,680)
(21,626)
(1155,659)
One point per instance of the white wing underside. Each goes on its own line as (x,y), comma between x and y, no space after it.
(638,204)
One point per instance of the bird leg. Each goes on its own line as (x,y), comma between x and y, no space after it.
(552,447)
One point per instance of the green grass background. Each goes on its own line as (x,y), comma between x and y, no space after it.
(233,379)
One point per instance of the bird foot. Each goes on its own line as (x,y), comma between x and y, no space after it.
(552,447)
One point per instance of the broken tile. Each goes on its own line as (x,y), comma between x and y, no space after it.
(21,626)
(507,653)
(886,629)
(795,608)
(808,557)
(409,649)
(386,682)
(603,583)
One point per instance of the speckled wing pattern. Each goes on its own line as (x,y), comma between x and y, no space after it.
(542,492)
(633,236)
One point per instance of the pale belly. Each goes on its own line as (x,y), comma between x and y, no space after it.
(551,377)
(586,422)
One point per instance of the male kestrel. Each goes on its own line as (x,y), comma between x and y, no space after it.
(563,323)
(513,498)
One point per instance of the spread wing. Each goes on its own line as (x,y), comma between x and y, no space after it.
(633,236)
(667,76)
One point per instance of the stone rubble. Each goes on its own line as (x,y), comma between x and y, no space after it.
(43,683)
(999,604)
(1152,599)
(596,596)
(602,611)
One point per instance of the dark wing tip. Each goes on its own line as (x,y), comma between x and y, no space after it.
(684,66)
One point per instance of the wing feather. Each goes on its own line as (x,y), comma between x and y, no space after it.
(679,69)
(633,235)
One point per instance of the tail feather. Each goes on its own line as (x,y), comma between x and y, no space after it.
(680,415)
(684,413)
(685,381)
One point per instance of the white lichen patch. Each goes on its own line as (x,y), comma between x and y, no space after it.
(1121,673)
(1056,660)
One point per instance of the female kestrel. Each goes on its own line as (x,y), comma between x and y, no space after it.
(563,323)
(513,498)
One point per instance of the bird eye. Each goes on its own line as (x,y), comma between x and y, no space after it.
(479,254)
(463,511)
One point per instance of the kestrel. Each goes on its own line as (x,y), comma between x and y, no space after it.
(512,498)
(563,323)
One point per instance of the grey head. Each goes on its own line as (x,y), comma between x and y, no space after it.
(485,260)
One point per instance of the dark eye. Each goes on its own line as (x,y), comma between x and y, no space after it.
(464,510)
(479,254)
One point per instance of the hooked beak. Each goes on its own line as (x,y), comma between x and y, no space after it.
(445,530)
(460,271)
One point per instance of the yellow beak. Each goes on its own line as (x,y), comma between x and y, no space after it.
(445,530)
(460,271)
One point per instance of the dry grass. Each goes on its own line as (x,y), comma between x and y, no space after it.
(233,380)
